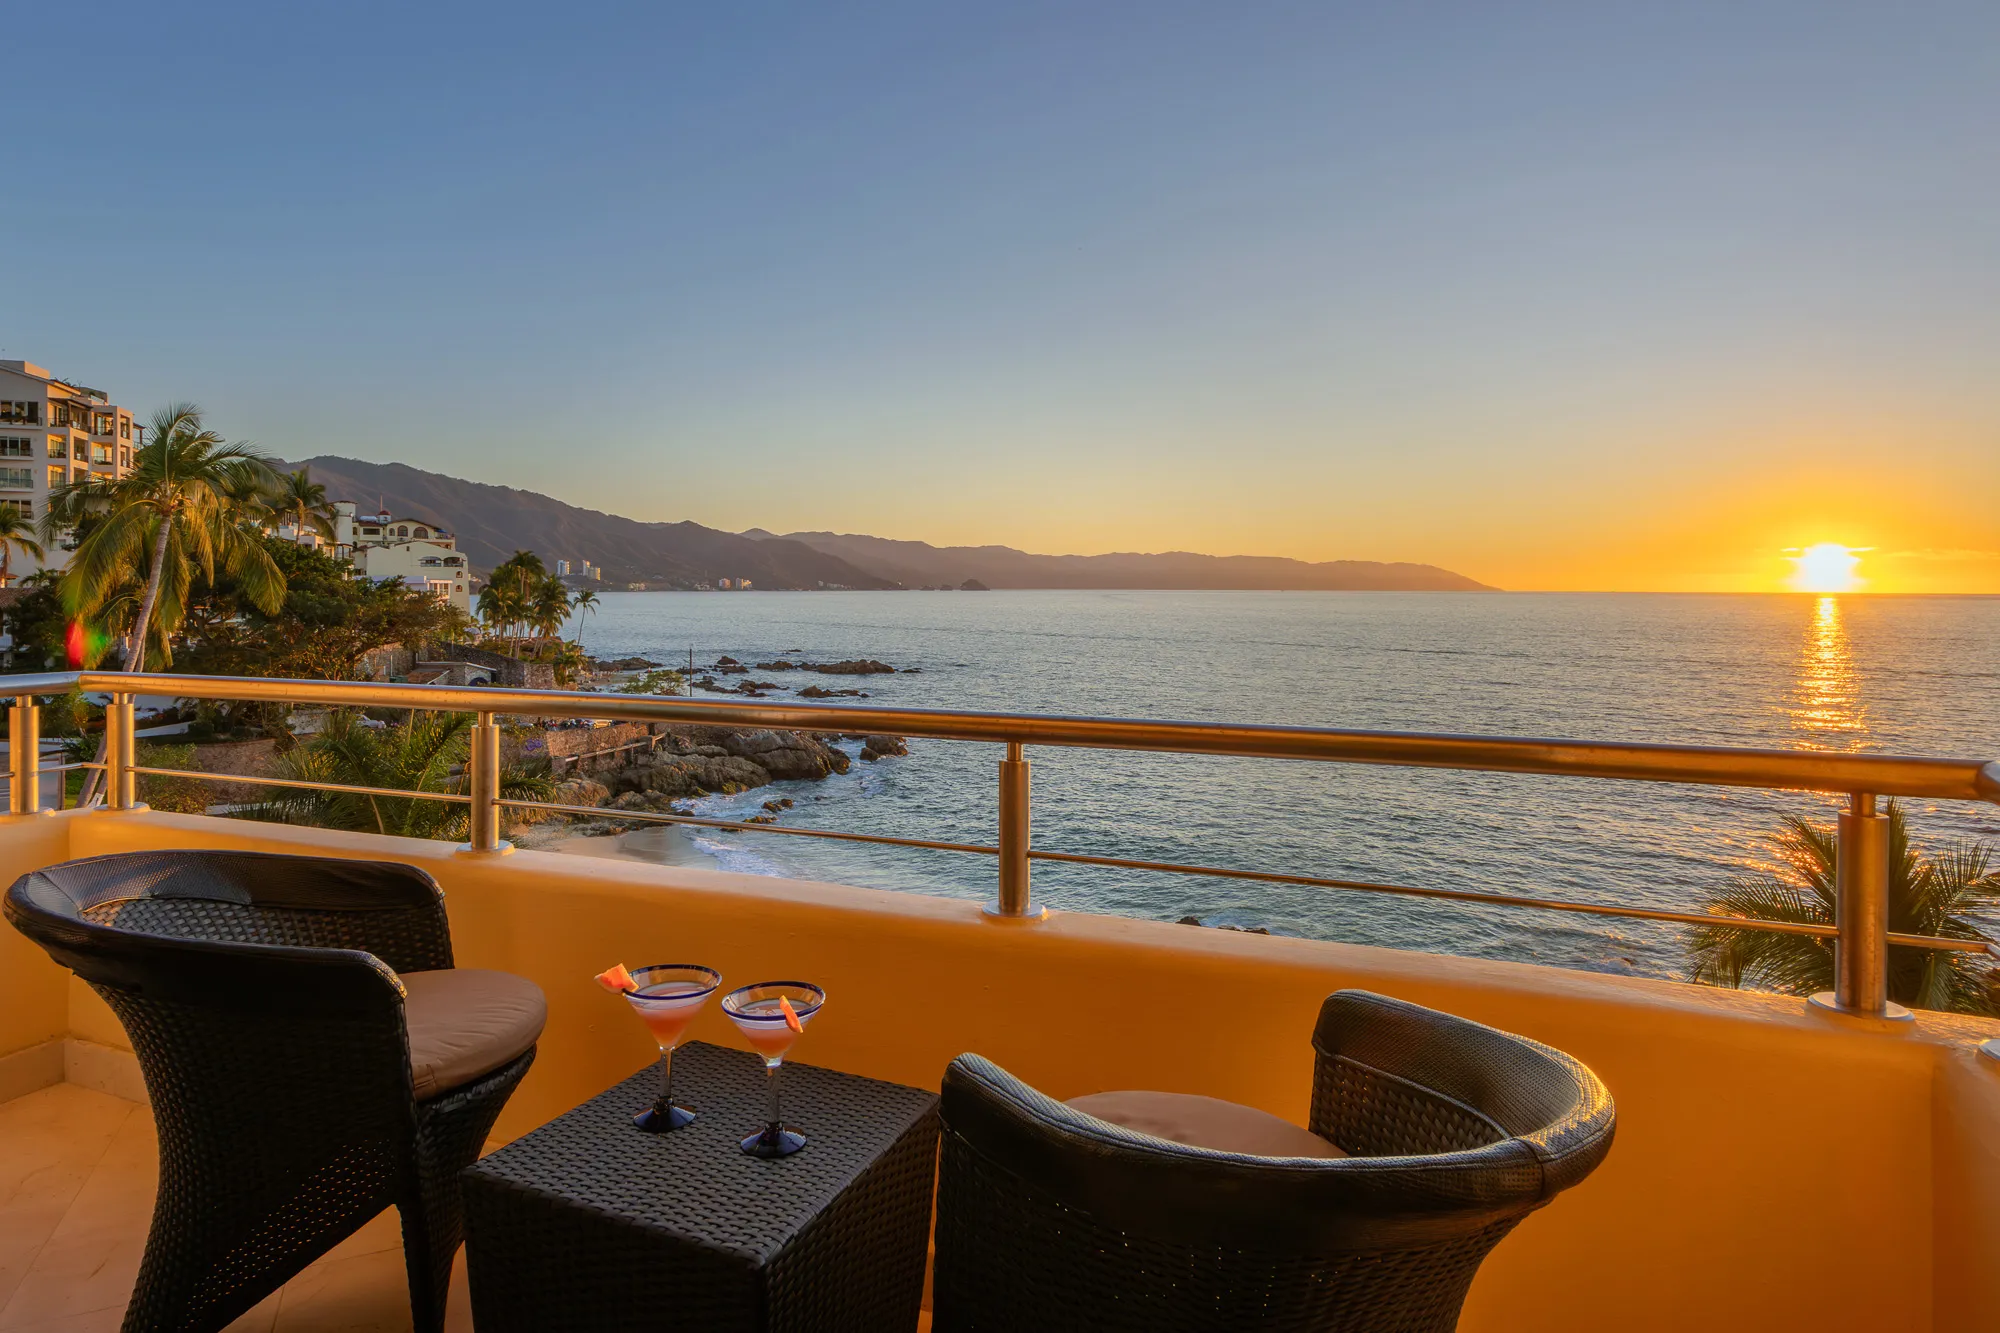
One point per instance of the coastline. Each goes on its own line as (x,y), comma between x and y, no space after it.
(660,845)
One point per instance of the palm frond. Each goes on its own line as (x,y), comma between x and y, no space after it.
(1929,894)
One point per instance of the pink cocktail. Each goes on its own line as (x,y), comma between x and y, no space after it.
(772,1016)
(667,998)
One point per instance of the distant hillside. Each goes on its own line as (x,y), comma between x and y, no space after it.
(492,522)
(917,564)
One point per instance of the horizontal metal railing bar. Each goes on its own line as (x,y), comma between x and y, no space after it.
(1506,900)
(8,775)
(253,781)
(653,817)
(1269,877)
(1797,770)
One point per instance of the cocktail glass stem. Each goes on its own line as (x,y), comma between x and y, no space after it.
(665,1105)
(776,1122)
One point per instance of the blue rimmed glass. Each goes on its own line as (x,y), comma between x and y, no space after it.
(759,1014)
(668,997)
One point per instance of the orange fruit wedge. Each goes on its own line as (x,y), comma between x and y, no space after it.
(791,1015)
(616,979)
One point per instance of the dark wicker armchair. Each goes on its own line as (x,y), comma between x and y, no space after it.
(263,998)
(1051,1218)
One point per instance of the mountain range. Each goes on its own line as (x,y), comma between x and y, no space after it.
(916,564)
(492,522)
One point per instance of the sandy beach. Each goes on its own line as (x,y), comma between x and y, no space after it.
(663,845)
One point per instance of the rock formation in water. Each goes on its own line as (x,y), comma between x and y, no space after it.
(697,761)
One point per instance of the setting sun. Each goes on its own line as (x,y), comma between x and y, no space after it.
(1826,567)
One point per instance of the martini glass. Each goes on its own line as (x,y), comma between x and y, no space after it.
(668,998)
(759,1014)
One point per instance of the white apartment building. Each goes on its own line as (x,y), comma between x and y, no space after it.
(52,432)
(414,551)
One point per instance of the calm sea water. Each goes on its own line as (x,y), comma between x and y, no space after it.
(1908,675)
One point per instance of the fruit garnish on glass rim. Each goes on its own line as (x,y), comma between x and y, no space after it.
(617,980)
(791,1015)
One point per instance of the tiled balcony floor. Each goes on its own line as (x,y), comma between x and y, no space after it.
(77,1174)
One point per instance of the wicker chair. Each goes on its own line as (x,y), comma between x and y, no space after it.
(1051,1218)
(262,997)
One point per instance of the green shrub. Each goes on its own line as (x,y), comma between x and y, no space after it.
(181,796)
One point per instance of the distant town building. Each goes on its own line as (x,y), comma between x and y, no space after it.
(562,568)
(413,551)
(53,432)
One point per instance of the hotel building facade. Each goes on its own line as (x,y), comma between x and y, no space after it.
(415,551)
(53,432)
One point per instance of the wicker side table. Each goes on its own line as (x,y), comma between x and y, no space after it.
(590,1224)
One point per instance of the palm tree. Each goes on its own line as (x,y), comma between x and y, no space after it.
(550,606)
(515,594)
(182,506)
(301,502)
(568,661)
(16,530)
(500,605)
(1937,893)
(582,604)
(425,753)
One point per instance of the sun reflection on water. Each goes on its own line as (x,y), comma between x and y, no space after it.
(1827,697)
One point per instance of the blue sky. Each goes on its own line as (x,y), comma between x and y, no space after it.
(1561,296)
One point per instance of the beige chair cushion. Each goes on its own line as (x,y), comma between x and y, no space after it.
(1205,1122)
(464,1022)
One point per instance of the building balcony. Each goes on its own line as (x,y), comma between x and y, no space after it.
(1777,1165)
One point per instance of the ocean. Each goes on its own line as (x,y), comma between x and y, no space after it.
(1861,674)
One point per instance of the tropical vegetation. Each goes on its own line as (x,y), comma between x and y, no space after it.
(522,601)
(582,604)
(17,533)
(1945,892)
(325,628)
(422,752)
(660,680)
(300,503)
(189,505)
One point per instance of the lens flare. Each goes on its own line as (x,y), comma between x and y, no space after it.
(84,646)
(1826,567)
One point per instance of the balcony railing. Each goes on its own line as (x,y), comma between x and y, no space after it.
(1860,934)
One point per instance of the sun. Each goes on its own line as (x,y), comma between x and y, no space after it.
(1826,567)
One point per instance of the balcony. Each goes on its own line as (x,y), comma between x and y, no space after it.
(1778,1166)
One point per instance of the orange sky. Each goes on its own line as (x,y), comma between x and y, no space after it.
(1682,505)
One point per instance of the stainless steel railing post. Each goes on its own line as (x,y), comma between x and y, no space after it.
(24,754)
(1861,915)
(1014,901)
(120,730)
(485,764)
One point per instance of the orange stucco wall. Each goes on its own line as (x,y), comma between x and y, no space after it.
(34,992)
(1775,1168)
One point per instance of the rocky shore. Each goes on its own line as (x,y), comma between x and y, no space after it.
(621,670)
(684,762)
(690,762)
